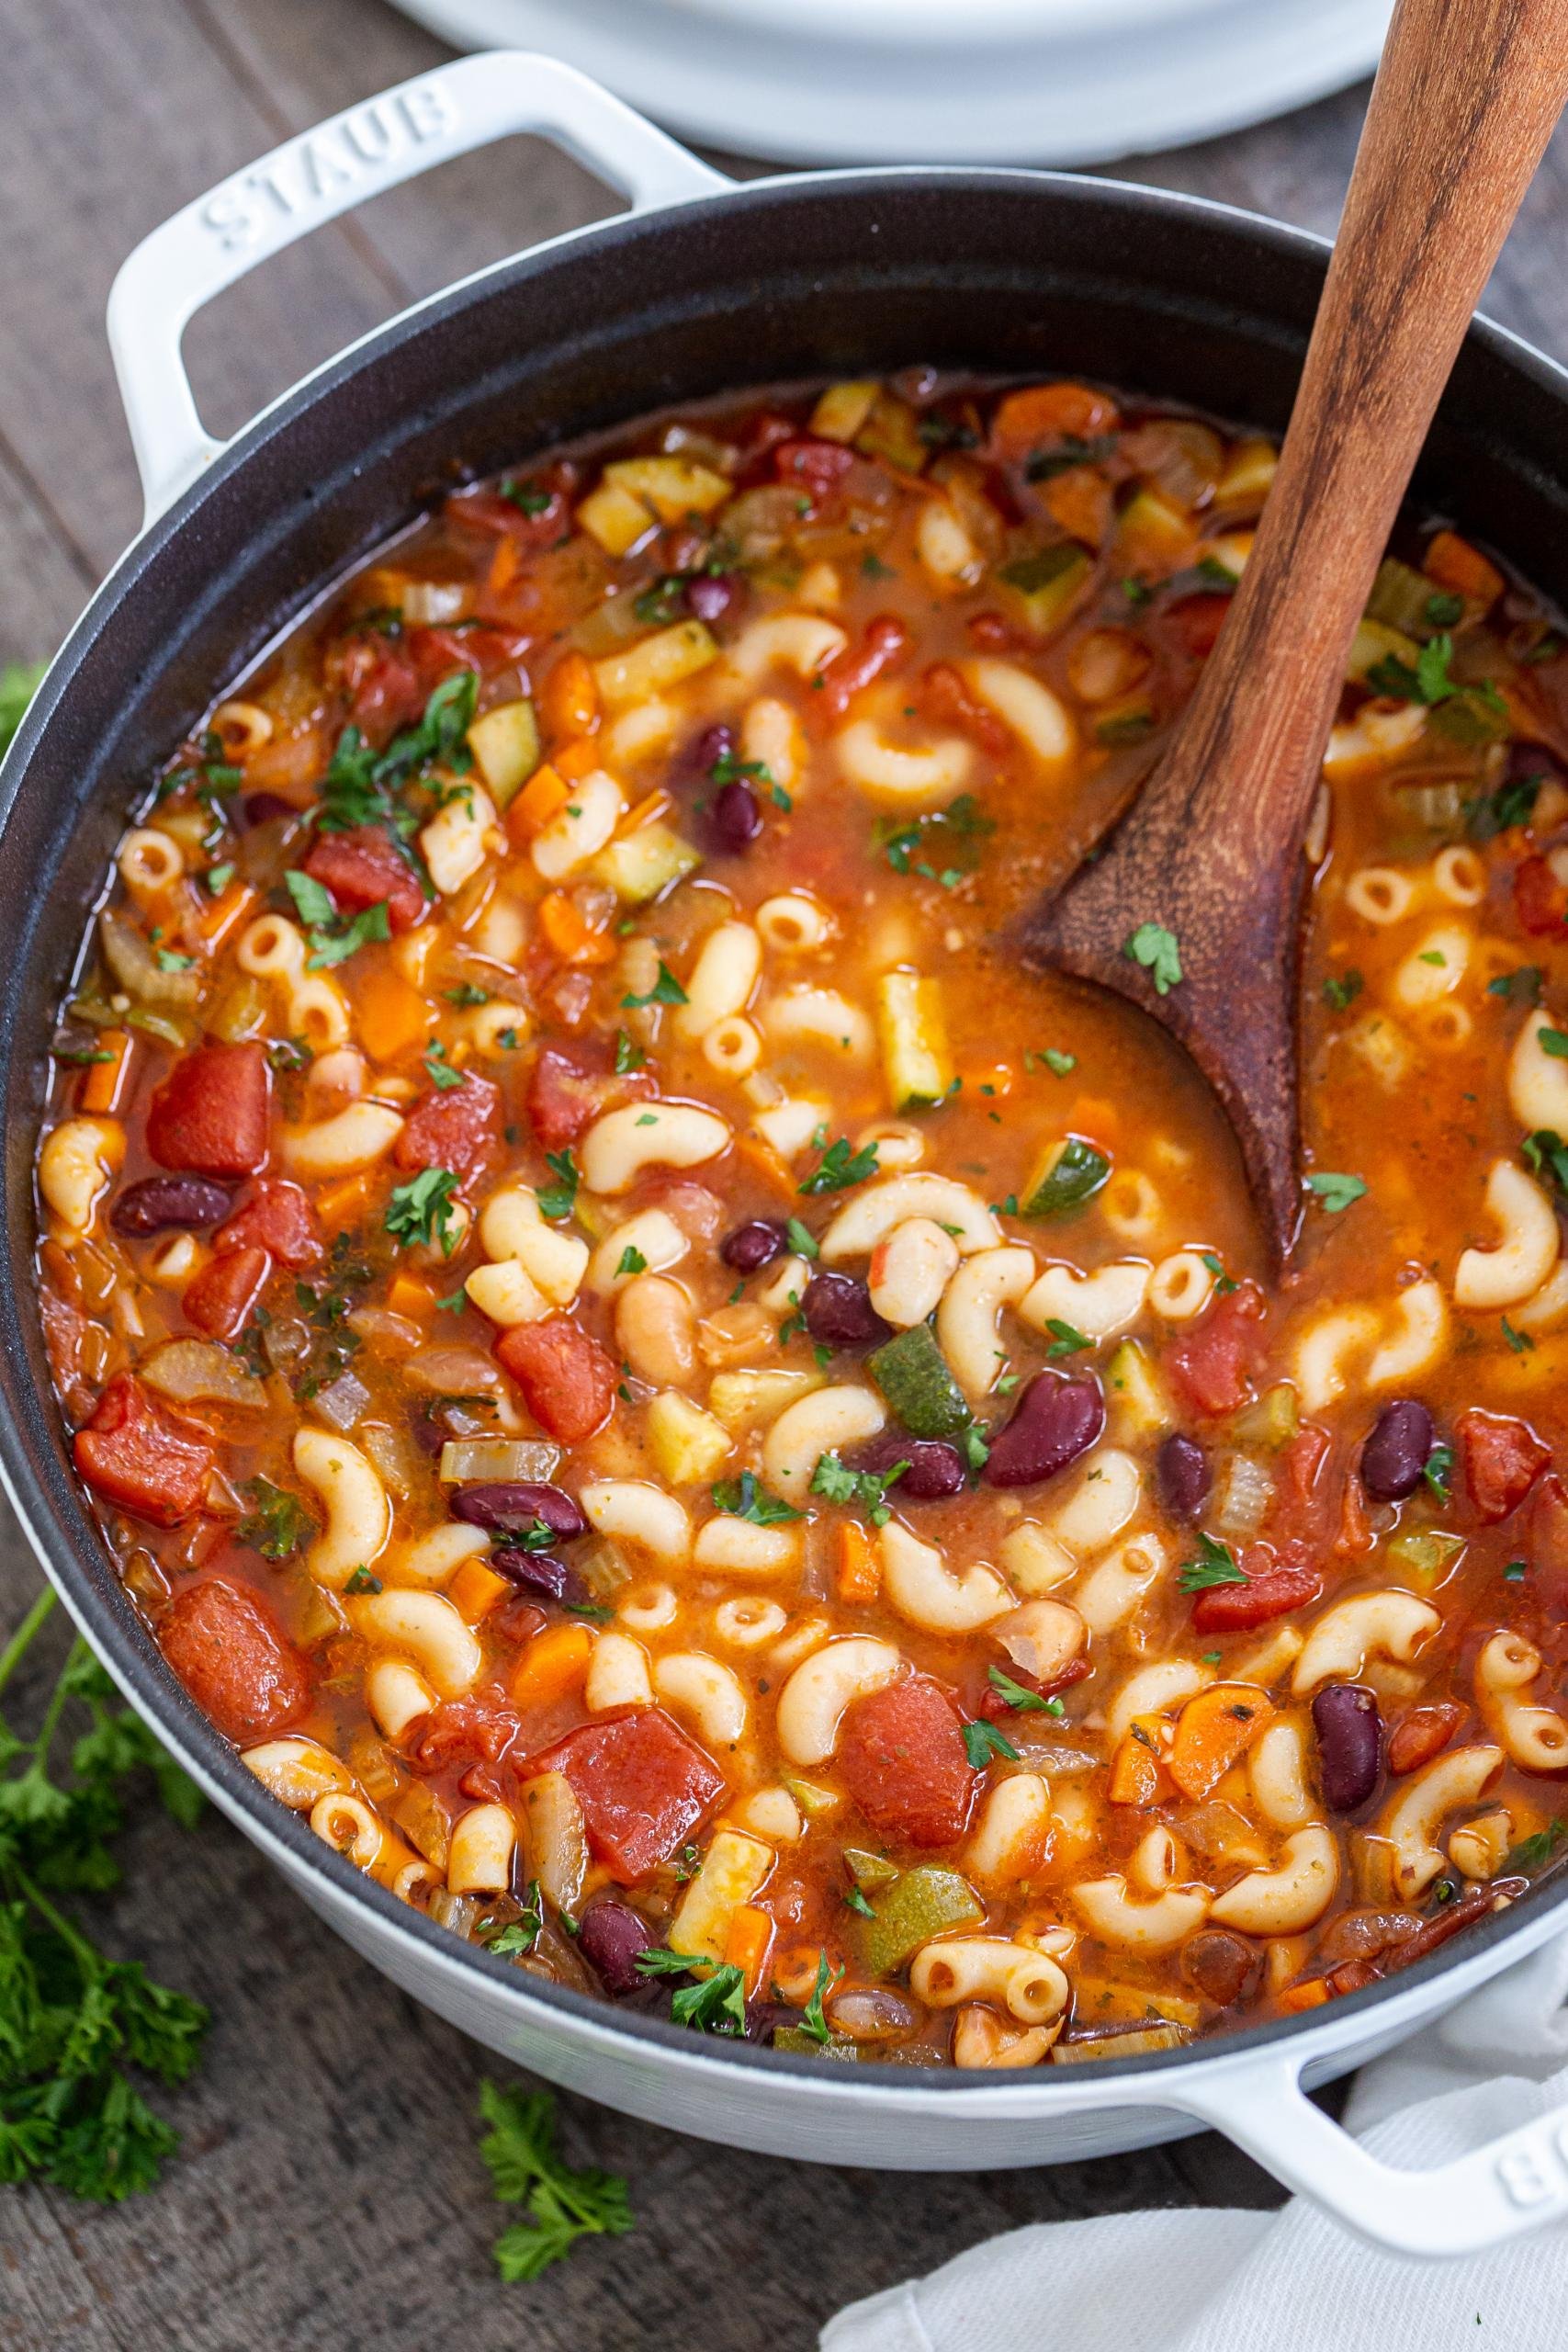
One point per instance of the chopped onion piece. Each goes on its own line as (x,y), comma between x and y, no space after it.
(1242,1493)
(455,1370)
(428,603)
(193,1372)
(137,968)
(484,1461)
(395,1455)
(1138,2041)
(343,1401)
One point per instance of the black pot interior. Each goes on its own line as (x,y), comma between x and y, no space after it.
(844,274)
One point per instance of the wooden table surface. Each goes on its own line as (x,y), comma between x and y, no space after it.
(329,2194)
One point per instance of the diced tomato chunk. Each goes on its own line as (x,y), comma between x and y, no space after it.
(567,1381)
(1420,1736)
(1303,1499)
(1502,1458)
(1212,1366)
(884,641)
(902,1757)
(946,699)
(1276,1583)
(277,1217)
(135,1455)
(1196,622)
(814,467)
(1541,901)
(210,1115)
(567,1092)
(382,684)
(363,867)
(221,1298)
(502,518)
(234,1658)
(478,1729)
(458,1128)
(642,1784)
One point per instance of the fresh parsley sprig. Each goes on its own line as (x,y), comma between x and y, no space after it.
(565,2202)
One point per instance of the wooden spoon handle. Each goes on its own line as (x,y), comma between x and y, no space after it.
(1465,100)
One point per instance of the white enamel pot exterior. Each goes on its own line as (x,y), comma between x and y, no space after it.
(710,287)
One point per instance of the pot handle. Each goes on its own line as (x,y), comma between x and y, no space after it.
(1467,2205)
(311,179)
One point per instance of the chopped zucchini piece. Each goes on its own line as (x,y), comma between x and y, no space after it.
(672,487)
(915,1054)
(654,665)
(795,2038)
(867,1868)
(1272,1421)
(733,1868)
(892,432)
(505,744)
(1426,1552)
(813,1800)
(614,517)
(640,864)
(1400,597)
(1041,589)
(1153,532)
(1136,1404)
(689,1447)
(912,1374)
(1137,2043)
(843,409)
(1125,722)
(920,1904)
(1069,1174)
(748,1400)
(1375,641)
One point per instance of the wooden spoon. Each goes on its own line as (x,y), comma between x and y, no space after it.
(1464,102)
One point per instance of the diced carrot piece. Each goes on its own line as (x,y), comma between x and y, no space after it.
(227,910)
(341,1202)
(765,1160)
(475,1589)
(1135,1774)
(1456,565)
(408,1296)
(860,1571)
(1296,1997)
(1212,1730)
(746,1945)
(575,760)
(1047,412)
(102,1084)
(1079,500)
(574,940)
(569,699)
(553,1664)
(655,805)
(392,1016)
(544,796)
(503,565)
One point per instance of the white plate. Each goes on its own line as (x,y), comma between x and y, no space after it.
(1191,69)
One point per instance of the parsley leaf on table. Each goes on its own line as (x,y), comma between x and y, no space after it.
(564,2202)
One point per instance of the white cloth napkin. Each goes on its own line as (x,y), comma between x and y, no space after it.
(1292,2282)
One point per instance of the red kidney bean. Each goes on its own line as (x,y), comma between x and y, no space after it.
(838,1312)
(516,1506)
(936,1469)
(1424,1733)
(735,819)
(261,808)
(610,1937)
(540,1572)
(712,595)
(751,1246)
(1395,1454)
(157,1203)
(715,743)
(1349,1743)
(1451,1918)
(1222,1966)
(1053,1421)
(1182,1467)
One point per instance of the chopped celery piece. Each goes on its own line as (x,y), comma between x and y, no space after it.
(806,2045)
(1043,587)
(674,487)
(1425,1550)
(867,1868)
(923,1902)
(641,865)
(809,1796)
(912,1374)
(1440,808)
(1138,2041)
(1070,1173)
(1272,1421)
(1400,597)
(915,1054)
(655,664)
(1152,526)
(1373,642)
(1136,1406)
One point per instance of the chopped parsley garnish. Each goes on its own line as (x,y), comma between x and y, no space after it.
(1553,1043)
(364,1580)
(217,878)
(1017,1695)
(527,496)
(1215,1564)
(839,1167)
(564,2202)
(660,603)
(857,1490)
(1336,1192)
(277,1523)
(1438,1470)
(1444,609)
(557,1200)
(955,833)
(812,2020)
(628,1057)
(439,1070)
(1072,449)
(332,941)
(1516,1572)
(1546,1153)
(1521,985)
(743,1498)
(169,960)
(632,1261)
(801,1239)
(1497,812)
(728,769)
(1474,713)
(1158,951)
(422,1210)
(1534,1853)
(518,1935)
(1340,991)
(1060,1064)
(1223,1282)
(1067,1339)
(666,990)
(1520,1341)
(466,994)
(983,1742)
(718,2004)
